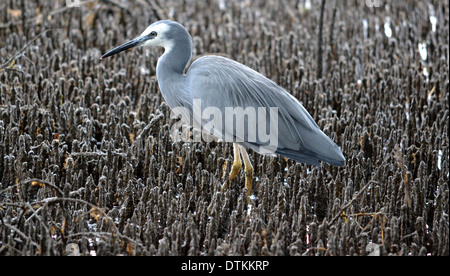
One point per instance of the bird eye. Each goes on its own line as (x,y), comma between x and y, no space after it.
(153,34)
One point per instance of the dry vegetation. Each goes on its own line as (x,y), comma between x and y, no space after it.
(86,157)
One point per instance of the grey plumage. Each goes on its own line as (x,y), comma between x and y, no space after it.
(221,82)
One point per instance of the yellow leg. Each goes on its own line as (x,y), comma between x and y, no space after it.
(236,163)
(248,168)
(235,168)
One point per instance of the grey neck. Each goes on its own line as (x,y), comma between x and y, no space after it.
(170,73)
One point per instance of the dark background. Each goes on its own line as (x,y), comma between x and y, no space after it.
(86,158)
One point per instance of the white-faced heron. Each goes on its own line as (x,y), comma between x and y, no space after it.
(217,86)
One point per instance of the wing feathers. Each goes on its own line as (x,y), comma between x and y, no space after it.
(221,82)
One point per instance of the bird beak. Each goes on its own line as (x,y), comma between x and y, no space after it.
(130,44)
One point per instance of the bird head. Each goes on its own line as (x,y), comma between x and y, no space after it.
(161,33)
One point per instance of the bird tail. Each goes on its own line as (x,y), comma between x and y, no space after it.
(311,158)
(316,147)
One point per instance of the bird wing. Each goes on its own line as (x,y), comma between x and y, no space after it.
(221,82)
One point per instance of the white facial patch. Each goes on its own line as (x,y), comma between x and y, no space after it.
(160,28)
(159,40)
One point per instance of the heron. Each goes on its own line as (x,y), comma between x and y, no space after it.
(221,83)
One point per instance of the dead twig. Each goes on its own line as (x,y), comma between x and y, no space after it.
(319,249)
(34,182)
(20,233)
(64,9)
(9,64)
(355,197)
